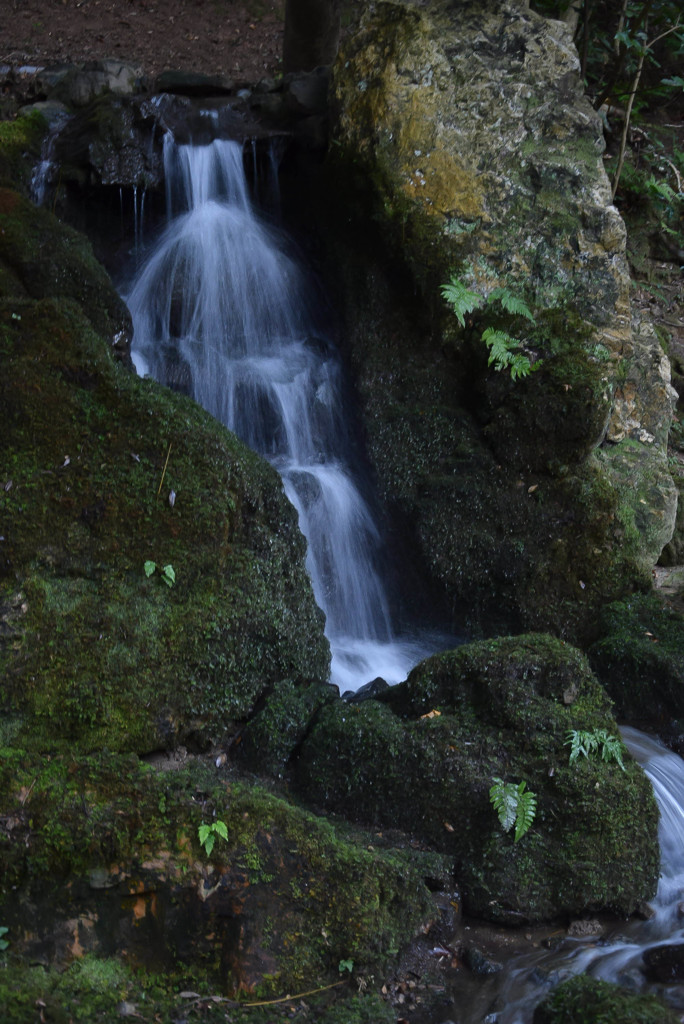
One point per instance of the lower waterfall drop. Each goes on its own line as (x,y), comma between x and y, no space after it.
(221,312)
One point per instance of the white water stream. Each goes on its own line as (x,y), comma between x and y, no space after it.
(222,311)
(511,996)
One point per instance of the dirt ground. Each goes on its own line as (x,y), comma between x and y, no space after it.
(239,39)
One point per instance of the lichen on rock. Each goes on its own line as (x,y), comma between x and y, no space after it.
(463,144)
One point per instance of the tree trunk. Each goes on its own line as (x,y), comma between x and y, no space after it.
(312,31)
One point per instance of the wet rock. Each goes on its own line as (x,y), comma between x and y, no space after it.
(190,83)
(639,658)
(367,692)
(308,93)
(78,85)
(479,963)
(173,905)
(665,963)
(95,435)
(41,258)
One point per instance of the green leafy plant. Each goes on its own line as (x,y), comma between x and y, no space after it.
(460,299)
(515,805)
(345,965)
(208,834)
(4,944)
(504,349)
(167,572)
(598,741)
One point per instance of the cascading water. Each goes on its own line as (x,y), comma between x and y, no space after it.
(221,311)
(511,996)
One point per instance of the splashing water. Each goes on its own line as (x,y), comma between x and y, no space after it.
(222,312)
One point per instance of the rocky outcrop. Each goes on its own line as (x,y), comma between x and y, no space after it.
(425,756)
(463,146)
(275,905)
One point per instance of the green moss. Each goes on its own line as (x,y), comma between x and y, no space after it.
(95,650)
(425,758)
(96,836)
(97,990)
(275,731)
(585,1000)
(639,658)
(20,141)
(41,258)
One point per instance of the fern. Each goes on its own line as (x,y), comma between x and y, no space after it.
(460,299)
(515,805)
(511,303)
(502,347)
(502,354)
(598,741)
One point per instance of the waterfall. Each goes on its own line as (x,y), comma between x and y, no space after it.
(222,311)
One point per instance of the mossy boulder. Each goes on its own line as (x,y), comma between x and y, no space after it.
(639,659)
(20,142)
(425,756)
(93,651)
(463,144)
(584,1000)
(41,258)
(101,854)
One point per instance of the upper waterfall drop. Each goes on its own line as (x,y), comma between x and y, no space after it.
(222,312)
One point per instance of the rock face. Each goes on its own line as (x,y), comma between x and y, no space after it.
(463,146)
(424,757)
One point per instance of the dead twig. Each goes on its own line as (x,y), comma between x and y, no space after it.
(164,471)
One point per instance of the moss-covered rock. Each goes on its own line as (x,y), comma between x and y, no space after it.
(94,652)
(100,990)
(101,854)
(272,736)
(462,144)
(20,141)
(640,661)
(425,756)
(585,1000)
(42,258)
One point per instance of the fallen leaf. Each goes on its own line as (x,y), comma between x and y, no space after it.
(432,714)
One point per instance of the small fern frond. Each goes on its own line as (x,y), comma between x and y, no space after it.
(611,750)
(585,743)
(525,811)
(503,796)
(500,347)
(511,303)
(515,805)
(502,354)
(460,299)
